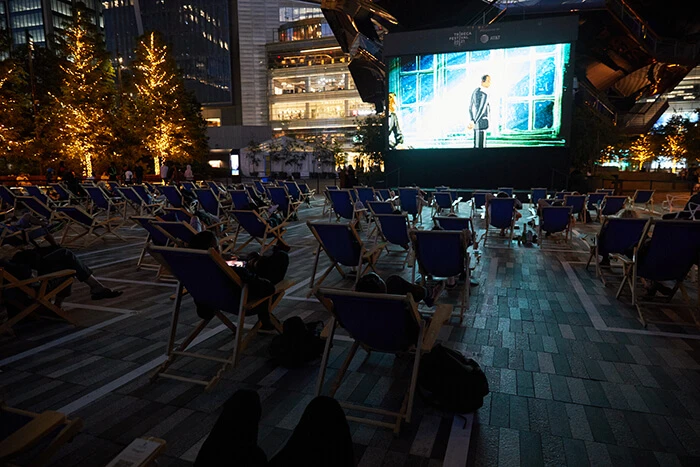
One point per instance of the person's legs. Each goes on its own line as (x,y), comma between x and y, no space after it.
(321,438)
(397,285)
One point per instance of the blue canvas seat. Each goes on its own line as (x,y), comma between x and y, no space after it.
(393,229)
(210,202)
(555,219)
(667,251)
(173,195)
(9,200)
(240,200)
(444,201)
(259,230)
(379,323)
(344,207)
(215,285)
(343,247)
(577,204)
(500,214)
(81,224)
(364,194)
(561,194)
(643,198)
(478,201)
(381,207)
(190,186)
(607,191)
(64,195)
(537,194)
(101,202)
(616,236)
(296,193)
(384,194)
(442,254)
(140,205)
(38,193)
(286,206)
(611,205)
(595,200)
(179,233)
(412,202)
(506,190)
(456,223)
(33,438)
(307,192)
(155,237)
(37,207)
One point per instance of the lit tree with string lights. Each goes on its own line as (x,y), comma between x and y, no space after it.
(173,128)
(80,118)
(16,125)
(642,150)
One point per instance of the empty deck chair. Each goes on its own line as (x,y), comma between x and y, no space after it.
(561,194)
(393,230)
(611,205)
(102,202)
(412,203)
(34,293)
(190,186)
(241,200)
(537,194)
(594,201)
(343,246)
(38,435)
(37,207)
(155,237)
(616,236)
(668,255)
(173,195)
(211,203)
(306,192)
(379,323)
(9,200)
(364,194)
(285,204)
(138,204)
(478,201)
(296,193)
(215,285)
(64,195)
(577,204)
(179,233)
(607,191)
(441,254)
(555,219)
(501,215)
(82,224)
(456,223)
(344,208)
(644,199)
(259,230)
(378,207)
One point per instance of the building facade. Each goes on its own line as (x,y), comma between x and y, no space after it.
(310,89)
(42,19)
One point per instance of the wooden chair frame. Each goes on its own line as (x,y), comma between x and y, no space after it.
(274,234)
(72,223)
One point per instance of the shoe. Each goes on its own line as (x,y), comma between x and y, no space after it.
(668,291)
(106,293)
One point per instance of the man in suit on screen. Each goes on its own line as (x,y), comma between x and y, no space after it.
(479,112)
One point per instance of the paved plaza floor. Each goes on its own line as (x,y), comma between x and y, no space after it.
(574,377)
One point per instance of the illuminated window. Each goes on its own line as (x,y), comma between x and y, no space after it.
(214,121)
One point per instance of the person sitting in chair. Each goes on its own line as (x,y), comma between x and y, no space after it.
(260,272)
(687,212)
(516,206)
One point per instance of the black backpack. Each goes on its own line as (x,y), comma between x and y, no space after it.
(450,381)
(298,344)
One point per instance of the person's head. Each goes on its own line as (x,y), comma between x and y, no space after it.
(502,194)
(486,81)
(189,167)
(204,240)
(371,283)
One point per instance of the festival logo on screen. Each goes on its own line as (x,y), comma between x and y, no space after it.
(497,97)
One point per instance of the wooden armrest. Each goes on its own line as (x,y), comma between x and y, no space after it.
(440,317)
(42,278)
(373,249)
(620,257)
(284,285)
(31,433)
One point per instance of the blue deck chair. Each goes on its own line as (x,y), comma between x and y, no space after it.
(616,236)
(37,207)
(253,192)
(441,254)
(379,323)
(561,194)
(216,286)
(365,194)
(501,215)
(259,230)
(507,190)
(146,194)
(342,246)
(385,194)
(608,191)
(393,230)
(8,198)
(412,203)
(260,188)
(240,199)
(454,223)
(671,251)
(82,224)
(102,202)
(190,186)
(173,195)
(285,204)
(210,202)
(444,201)
(176,214)
(155,237)
(537,194)
(555,219)
(381,207)
(643,198)
(343,206)
(34,438)
(578,205)
(38,193)
(611,205)
(179,233)
(139,206)
(64,195)
(594,201)
(307,192)
(294,191)
(478,201)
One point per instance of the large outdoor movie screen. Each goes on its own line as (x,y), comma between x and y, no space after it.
(509,97)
